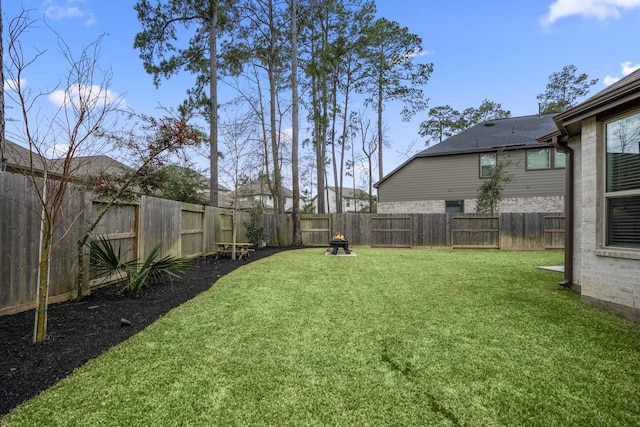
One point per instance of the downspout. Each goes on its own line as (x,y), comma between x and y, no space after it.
(563,146)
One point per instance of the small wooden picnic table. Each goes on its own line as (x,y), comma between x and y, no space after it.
(243,249)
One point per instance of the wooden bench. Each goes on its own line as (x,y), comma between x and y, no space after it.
(243,249)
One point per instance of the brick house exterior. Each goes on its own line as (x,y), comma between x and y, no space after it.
(601,138)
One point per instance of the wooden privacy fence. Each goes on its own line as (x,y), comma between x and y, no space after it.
(391,231)
(316,229)
(475,232)
(190,230)
(554,232)
(182,229)
(517,231)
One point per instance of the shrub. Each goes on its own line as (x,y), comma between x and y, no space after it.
(136,275)
(255,231)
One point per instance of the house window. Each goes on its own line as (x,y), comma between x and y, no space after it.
(539,158)
(542,158)
(487,163)
(622,195)
(348,203)
(454,206)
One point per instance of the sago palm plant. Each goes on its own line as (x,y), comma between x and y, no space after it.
(135,274)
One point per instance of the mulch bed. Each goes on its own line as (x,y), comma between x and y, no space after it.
(81,330)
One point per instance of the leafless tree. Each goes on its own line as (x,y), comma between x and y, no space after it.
(85,107)
(369,144)
(237,135)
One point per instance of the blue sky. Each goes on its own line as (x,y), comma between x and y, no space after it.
(501,50)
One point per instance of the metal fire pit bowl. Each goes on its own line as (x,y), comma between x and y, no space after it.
(334,245)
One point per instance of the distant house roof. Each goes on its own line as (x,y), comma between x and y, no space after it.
(92,165)
(491,135)
(348,193)
(258,187)
(494,134)
(18,158)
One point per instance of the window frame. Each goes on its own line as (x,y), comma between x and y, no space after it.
(495,163)
(618,195)
(552,155)
(459,203)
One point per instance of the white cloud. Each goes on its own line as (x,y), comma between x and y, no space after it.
(419,52)
(11,84)
(57,151)
(599,9)
(86,95)
(609,80)
(627,68)
(286,134)
(68,9)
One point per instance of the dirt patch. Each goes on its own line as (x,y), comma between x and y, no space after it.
(81,330)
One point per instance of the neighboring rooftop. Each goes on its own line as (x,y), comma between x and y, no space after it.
(18,158)
(495,134)
(350,193)
(258,187)
(492,135)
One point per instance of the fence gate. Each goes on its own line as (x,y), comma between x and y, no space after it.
(475,232)
(316,229)
(392,231)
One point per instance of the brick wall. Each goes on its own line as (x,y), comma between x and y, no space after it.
(609,278)
(550,204)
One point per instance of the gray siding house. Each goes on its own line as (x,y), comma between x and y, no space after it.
(446,177)
(601,137)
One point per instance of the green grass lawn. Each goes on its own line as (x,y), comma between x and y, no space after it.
(389,337)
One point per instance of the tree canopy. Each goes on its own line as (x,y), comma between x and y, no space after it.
(346,54)
(165,53)
(444,121)
(564,89)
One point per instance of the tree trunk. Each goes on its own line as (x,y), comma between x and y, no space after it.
(44,269)
(275,151)
(297,232)
(345,119)
(334,159)
(380,134)
(213,107)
